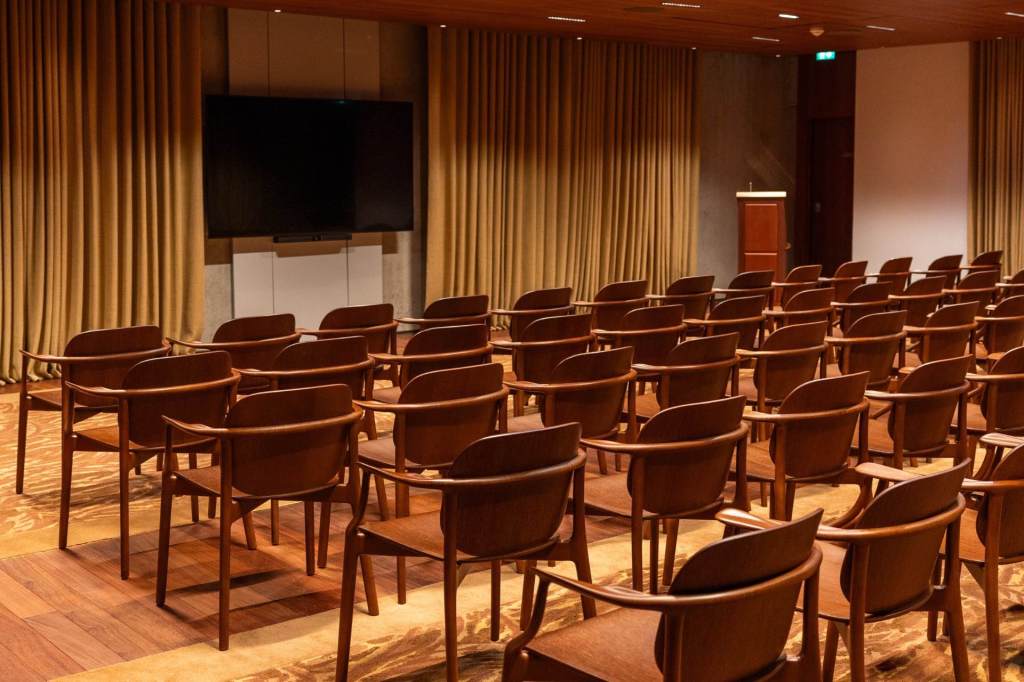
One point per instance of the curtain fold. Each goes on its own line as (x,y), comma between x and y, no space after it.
(101,219)
(558,162)
(997,151)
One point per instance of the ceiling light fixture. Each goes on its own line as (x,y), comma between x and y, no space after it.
(1015,14)
(767,40)
(576,20)
(277,11)
(784,15)
(688,5)
(444,25)
(880,28)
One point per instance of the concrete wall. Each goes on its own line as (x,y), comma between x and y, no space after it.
(748,135)
(911,154)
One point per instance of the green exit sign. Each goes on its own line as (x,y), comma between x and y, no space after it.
(825,56)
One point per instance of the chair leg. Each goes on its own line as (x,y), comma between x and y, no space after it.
(451,650)
(382,497)
(655,555)
(307,516)
(348,601)
(325,533)
(275,523)
(855,649)
(164,543)
(581,560)
(637,553)
(518,404)
(602,462)
(526,610)
(618,462)
(995,656)
(671,536)
(122,500)
(66,458)
(211,508)
(19,481)
(958,643)
(250,531)
(763,493)
(831,649)
(369,585)
(225,575)
(495,600)
(790,500)
(192,464)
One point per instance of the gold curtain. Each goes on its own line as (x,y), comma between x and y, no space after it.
(101,219)
(997,154)
(558,162)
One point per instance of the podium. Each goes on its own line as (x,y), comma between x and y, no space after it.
(762,232)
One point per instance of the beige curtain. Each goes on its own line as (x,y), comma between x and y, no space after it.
(997,163)
(558,162)
(101,219)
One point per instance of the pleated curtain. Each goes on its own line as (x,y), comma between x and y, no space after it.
(558,162)
(997,151)
(101,219)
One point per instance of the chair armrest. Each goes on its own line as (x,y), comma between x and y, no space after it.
(96,391)
(972,485)
(1001,440)
(42,357)
(884,473)
(618,596)
(737,518)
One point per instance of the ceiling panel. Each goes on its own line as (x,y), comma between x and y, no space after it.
(716,24)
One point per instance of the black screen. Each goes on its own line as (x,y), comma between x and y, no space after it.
(277,166)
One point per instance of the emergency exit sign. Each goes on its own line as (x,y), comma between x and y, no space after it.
(825,56)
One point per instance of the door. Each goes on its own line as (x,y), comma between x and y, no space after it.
(831,195)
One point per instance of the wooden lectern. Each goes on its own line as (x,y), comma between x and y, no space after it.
(762,233)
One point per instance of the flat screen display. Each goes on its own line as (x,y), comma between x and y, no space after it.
(306,167)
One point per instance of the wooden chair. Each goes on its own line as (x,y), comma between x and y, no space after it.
(650,332)
(811,305)
(588,388)
(895,271)
(746,284)
(375,322)
(541,346)
(613,301)
(949,332)
(678,469)
(810,442)
(1012,285)
(788,357)
(535,305)
(848,276)
(873,344)
(920,299)
(488,491)
(432,349)
(696,371)
(800,278)
(727,616)
(194,388)
(987,260)
(1001,329)
(866,299)
(693,293)
(979,286)
(100,357)
(946,266)
(886,565)
(921,408)
(1000,406)
(437,415)
(294,444)
(252,343)
(454,311)
(742,315)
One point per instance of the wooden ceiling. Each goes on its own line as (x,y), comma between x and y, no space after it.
(716,24)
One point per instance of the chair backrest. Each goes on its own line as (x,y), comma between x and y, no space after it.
(874,357)
(847,277)
(978,286)
(269,334)
(928,295)
(469,399)
(209,384)
(375,322)
(597,406)
(341,360)
(310,451)
(993,259)
(813,305)
(745,638)
(471,309)
(513,514)
(753,279)
(781,374)
(1011,530)
(820,446)
(693,293)
(536,363)
(133,343)
(800,278)
(1008,332)
(693,477)
(927,420)
(548,303)
(748,311)
(711,358)
(895,271)
(1009,395)
(952,325)
(851,268)
(873,297)
(662,327)
(900,567)
(437,341)
(627,295)
(948,267)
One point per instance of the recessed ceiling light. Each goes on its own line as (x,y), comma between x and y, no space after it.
(784,15)
(277,11)
(880,28)
(689,5)
(573,19)
(444,25)
(579,37)
(1015,14)
(767,40)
